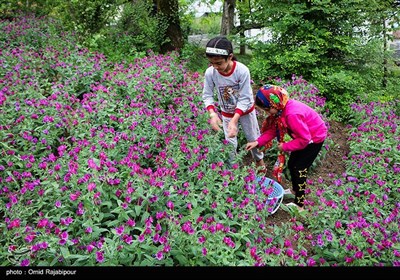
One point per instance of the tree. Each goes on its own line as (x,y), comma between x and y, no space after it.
(168,14)
(242,11)
(228,16)
(228,25)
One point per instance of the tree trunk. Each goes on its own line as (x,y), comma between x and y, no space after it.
(228,17)
(385,48)
(241,34)
(168,11)
(242,45)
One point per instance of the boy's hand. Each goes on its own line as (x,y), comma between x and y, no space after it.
(215,122)
(232,130)
(233,126)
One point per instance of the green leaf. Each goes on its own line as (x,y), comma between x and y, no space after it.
(65,252)
(138,210)
(181,259)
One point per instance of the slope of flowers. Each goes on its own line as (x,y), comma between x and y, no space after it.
(358,218)
(114,164)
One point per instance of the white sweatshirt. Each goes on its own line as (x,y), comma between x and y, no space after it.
(233,90)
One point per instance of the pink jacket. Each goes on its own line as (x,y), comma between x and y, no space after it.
(303,124)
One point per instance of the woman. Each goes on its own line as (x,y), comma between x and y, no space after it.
(303,124)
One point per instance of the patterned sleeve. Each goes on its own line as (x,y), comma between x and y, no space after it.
(246,98)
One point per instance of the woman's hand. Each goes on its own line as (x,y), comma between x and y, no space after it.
(251,145)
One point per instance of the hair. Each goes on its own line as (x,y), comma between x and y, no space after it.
(220,42)
(259,103)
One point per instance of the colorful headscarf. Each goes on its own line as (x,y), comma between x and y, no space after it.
(273,97)
(276,97)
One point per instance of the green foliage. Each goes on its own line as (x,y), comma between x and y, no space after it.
(194,57)
(329,45)
(136,31)
(362,79)
(11,8)
(206,24)
(117,46)
(341,89)
(270,60)
(85,17)
(186,17)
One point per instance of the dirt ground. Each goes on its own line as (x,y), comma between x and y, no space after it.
(332,163)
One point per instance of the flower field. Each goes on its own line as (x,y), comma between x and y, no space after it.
(115,164)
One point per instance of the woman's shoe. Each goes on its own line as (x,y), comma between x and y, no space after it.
(294,206)
(287,191)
